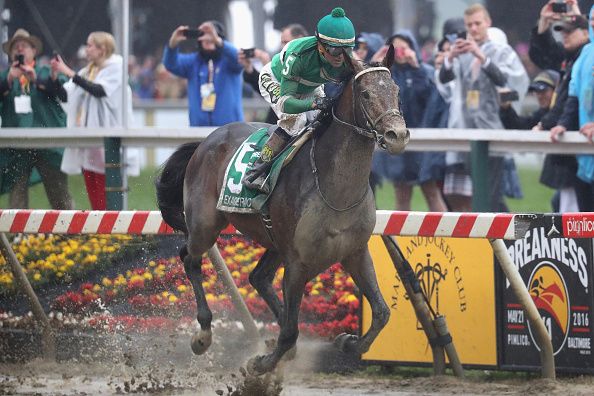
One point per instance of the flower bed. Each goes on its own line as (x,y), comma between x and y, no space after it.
(158,295)
(61,259)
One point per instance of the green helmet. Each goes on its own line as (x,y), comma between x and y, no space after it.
(336,29)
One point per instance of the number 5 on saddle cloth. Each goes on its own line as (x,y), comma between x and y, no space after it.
(236,198)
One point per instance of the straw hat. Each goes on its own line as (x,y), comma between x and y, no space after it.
(22,34)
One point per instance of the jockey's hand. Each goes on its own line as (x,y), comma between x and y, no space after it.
(322,103)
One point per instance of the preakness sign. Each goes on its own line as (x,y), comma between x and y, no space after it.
(558,275)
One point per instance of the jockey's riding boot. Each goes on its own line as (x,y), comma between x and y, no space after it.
(255,177)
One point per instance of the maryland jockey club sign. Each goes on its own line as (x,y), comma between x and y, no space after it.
(457,276)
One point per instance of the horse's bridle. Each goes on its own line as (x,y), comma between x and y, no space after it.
(370,129)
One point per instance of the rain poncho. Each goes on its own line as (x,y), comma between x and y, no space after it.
(476,85)
(582,87)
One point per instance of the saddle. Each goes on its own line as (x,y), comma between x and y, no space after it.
(234,197)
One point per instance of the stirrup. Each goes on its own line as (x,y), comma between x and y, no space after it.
(258,184)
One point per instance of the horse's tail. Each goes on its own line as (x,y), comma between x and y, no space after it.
(170,187)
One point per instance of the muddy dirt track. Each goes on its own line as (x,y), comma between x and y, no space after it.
(164,365)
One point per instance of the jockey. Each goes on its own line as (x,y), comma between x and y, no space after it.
(292,84)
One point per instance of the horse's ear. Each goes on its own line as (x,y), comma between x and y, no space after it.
(389,58)
(353,64)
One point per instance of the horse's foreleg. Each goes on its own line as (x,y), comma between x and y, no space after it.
(261,279)
(361,269)
(293,287)
(202,340)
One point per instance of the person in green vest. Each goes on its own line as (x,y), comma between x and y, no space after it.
(30,97)
(292,84)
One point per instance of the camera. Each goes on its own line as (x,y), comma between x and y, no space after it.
(192,33)
(249,52)
(509,96)
(455,36)
(20,58)
(559,8)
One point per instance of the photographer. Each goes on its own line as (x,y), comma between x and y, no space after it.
(559,171)
(543,86)
(30,96)
(213,74)
(251,74)
(479,67)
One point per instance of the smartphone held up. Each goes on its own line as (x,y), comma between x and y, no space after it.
(249,52)
(559,7)
(192,33)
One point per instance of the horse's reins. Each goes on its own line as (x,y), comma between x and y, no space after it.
(370,132)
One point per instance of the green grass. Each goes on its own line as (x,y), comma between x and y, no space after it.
(142,194)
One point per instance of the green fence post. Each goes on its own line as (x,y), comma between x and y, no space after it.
(479,162)
(114,190)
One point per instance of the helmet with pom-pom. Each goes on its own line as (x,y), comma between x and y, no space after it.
(336,30)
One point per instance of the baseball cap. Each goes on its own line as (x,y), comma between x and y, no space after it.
(571,22)
(543,80)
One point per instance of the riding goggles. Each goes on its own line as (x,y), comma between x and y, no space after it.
(336,51)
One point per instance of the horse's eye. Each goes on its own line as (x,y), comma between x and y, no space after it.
(365,95)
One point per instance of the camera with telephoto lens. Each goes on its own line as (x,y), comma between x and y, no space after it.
(20,58)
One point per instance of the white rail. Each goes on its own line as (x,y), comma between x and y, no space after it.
(503,141)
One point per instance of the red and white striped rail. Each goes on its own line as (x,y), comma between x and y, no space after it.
(459,225)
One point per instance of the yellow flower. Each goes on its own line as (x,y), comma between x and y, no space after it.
(182,288)
(147,276)
(106,282)
(36,276)
(172,298)
(96,288)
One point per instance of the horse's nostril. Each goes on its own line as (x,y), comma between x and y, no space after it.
(393,136)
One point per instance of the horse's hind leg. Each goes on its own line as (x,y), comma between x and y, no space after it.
(361,269)
(294,282)
(261,279)
(200,341)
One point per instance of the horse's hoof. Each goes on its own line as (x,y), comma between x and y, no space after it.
(257,365)
(201,342)
(346,342)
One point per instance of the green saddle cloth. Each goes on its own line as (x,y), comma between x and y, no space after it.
(234,196)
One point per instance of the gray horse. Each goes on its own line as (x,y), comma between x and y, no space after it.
(322,209)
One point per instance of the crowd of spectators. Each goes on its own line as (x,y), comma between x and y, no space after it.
(470,77)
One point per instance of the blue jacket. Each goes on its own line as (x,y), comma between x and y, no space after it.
(227,84)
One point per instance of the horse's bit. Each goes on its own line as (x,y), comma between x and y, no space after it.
(369,132)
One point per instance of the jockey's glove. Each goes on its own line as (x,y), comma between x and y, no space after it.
(323,103)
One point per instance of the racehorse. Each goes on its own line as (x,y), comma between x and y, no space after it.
(322,209)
